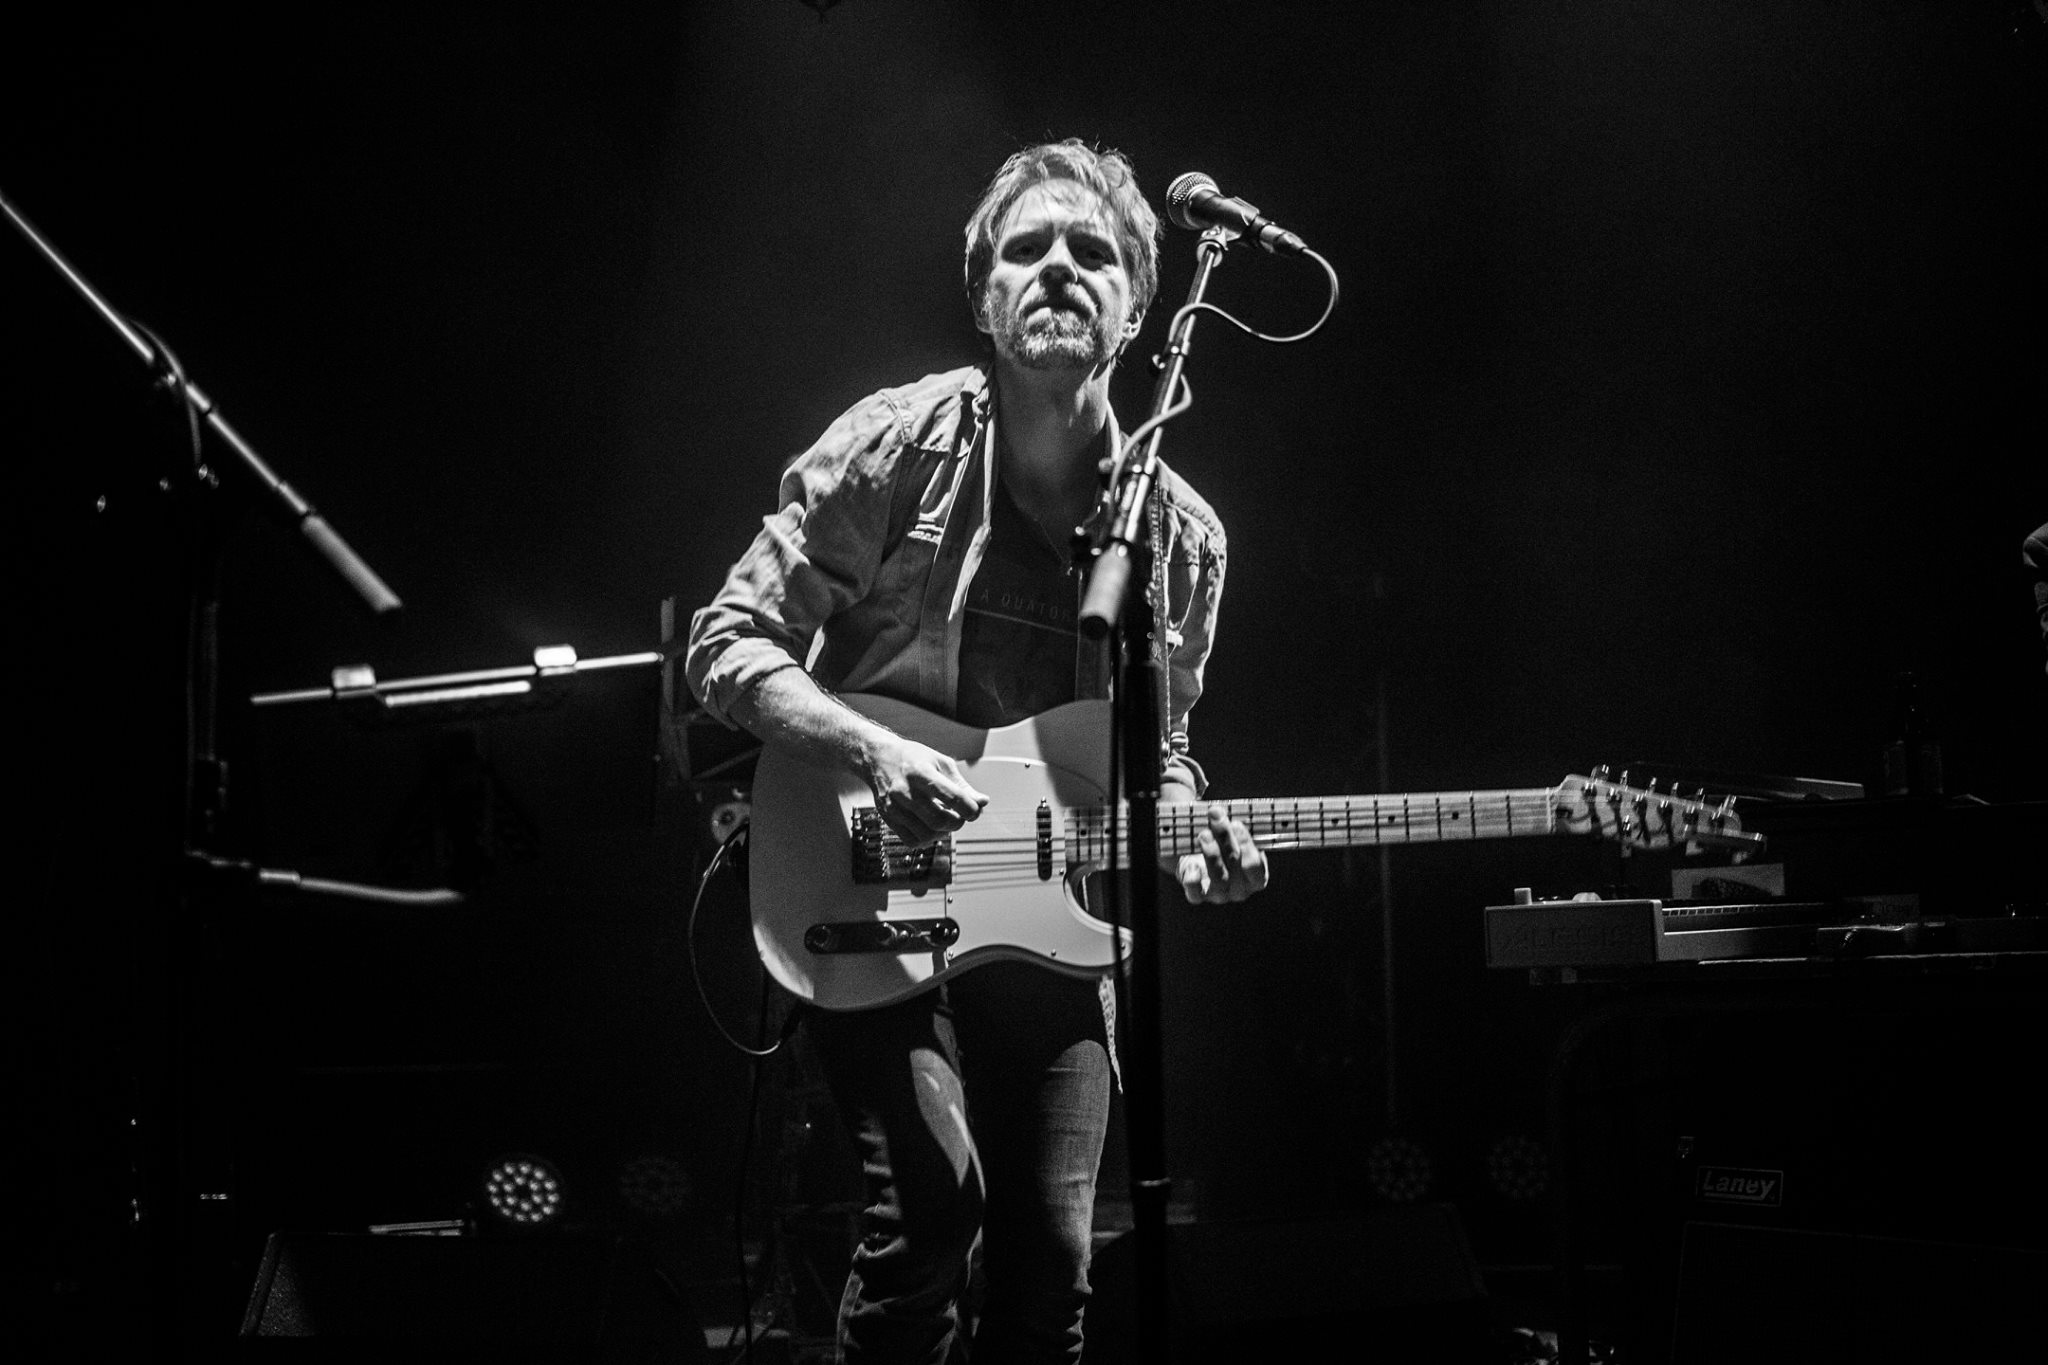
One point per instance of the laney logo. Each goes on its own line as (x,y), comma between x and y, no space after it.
(1734,1185)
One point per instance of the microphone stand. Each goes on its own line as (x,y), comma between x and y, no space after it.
(285,500)
(167,1169)
(1122,543)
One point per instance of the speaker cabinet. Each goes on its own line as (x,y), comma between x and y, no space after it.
(1818,1166)
(1402,1280)
(354,1297)
(1752,1295)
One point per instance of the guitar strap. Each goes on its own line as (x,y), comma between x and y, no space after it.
(1161,603)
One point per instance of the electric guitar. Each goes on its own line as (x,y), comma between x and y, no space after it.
(848,916)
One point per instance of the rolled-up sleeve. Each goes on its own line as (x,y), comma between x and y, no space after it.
(815,554)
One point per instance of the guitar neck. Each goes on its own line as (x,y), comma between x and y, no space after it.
(1370,821)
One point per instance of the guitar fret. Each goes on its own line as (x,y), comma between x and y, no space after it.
(1333,822)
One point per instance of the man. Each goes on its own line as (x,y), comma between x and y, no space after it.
(921,550)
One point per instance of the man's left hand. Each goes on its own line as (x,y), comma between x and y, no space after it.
(1229,867)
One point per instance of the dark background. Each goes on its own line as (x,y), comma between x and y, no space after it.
(1686,388)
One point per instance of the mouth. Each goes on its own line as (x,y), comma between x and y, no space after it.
(1066,303)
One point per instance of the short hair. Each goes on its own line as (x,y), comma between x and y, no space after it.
(1108,174)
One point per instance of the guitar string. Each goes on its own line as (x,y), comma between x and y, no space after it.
(976,860)
(1415,821)
(1091,823)
(1282,810)
(1306,823)
(1091,834)
(998,856)
(985,863)
(996,860)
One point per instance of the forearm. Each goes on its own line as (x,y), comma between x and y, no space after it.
(789,708)
(921,793)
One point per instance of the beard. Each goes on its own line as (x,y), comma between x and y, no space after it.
(1055,339)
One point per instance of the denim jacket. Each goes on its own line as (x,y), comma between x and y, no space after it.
(862,572)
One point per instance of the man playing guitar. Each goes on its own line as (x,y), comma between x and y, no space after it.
(920,552)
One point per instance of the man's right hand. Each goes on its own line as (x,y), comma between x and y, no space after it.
(921,793)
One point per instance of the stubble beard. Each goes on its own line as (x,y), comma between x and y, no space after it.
(1055,339)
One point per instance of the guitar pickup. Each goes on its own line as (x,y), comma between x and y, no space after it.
(883,936)
(880,857)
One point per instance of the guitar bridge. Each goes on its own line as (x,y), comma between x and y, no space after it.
(880,857)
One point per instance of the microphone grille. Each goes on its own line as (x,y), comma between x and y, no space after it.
(1181,193)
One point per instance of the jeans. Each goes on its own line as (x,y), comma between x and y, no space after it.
(977,1109)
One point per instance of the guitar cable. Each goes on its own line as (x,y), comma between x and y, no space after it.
(734,844)
(757,1064)
(732,853)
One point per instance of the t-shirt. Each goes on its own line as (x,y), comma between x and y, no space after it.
(1019,646)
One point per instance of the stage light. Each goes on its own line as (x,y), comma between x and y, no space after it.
(1519,1168)
(654,1187)
(1399,1170)
(524,1192)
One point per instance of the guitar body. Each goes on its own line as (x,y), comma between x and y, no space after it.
(995,892)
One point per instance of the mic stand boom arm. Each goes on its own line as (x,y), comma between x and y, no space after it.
(284,499)
(1122,544)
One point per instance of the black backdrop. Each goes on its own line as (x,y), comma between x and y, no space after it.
(1685,389)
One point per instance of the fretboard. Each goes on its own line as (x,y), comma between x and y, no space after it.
(1343,821)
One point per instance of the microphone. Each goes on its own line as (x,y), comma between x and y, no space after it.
(1193,202)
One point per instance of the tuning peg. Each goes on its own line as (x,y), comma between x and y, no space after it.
(1621,818)
(1722,812)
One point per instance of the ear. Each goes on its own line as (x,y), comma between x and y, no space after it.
(979,307)
(1132,325)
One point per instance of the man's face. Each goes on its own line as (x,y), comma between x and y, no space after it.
(1058,295)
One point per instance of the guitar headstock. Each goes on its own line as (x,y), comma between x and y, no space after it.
(1643,817)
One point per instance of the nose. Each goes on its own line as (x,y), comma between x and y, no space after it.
(1057,264)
